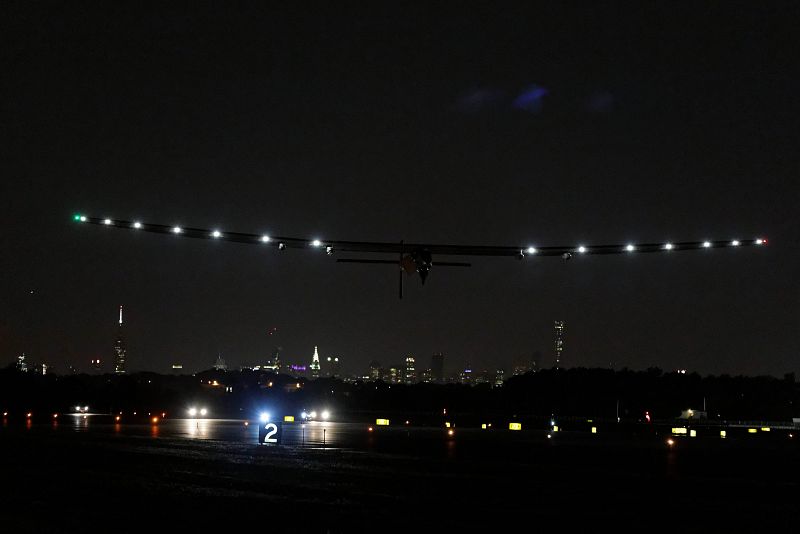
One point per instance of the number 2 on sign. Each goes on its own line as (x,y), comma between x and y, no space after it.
(271,429)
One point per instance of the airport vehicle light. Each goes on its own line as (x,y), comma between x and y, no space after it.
(155,420)
(670,442)
(326,414)
(192,411)
(450,432)
(116,418)
(203,411)
(264,417)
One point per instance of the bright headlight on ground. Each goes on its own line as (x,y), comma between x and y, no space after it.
(313,414)
(192,411)
(264,417)
(326,414)
(203,411)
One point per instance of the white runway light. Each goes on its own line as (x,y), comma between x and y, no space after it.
(137,225)
(582,249)
(177,230)
(668,246)
(630,248)
(531,250)
(706,244)
(216,233)
(265,239)
(107,222)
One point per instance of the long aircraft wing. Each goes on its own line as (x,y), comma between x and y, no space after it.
(334,245)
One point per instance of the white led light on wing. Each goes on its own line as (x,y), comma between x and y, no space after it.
(531,250)
(581,249)
(107,221)
(265,239)
(630,248)
(216,233)
(177,230)
(668,246)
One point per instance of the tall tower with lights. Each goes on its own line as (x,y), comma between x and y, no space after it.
(315,364)
(119,349)
(559,325)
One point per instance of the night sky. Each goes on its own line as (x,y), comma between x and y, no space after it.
(497,126)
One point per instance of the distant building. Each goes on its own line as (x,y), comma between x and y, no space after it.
(315,367)
(410,372)
(375,370)
(220,364)
(120,353)
(499,377)
(559,327)
(437,367)
(333,367)
(22,365)
(465,376)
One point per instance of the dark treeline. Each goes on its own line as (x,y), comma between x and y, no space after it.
(599,393)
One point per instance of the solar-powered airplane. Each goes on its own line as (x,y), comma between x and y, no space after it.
(415,257)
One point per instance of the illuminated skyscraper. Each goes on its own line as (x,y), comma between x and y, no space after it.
(410,374)
(315,368)
(119,349)
(559,325)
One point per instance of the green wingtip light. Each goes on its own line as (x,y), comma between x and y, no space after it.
(76,217)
